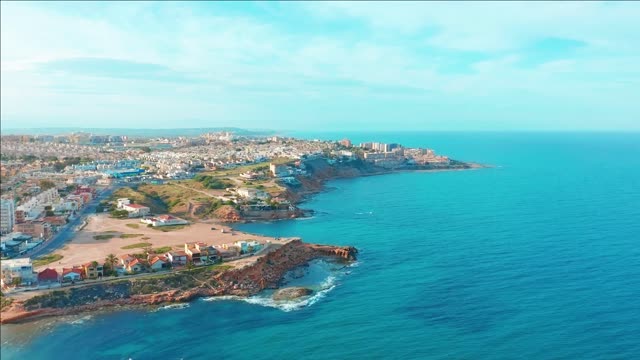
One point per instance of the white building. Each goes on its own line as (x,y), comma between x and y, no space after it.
(136,210)
(164,220)
(7,216)
(35,205)
(17,268)
(251,194)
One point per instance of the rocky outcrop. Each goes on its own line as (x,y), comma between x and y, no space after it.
(291,293)
(265,273)
(228,213)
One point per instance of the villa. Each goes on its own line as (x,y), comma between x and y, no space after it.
(164,220)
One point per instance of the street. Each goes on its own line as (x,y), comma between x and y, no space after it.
(68,231)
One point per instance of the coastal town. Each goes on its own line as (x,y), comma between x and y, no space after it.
(82,209)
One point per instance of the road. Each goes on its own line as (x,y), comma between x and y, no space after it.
(68,231)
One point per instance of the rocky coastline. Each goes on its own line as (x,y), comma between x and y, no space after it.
(177,287)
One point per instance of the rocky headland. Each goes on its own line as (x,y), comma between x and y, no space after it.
(266,272)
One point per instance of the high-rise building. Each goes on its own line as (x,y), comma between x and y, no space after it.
(7,216)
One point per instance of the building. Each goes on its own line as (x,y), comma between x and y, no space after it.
(278,170)
(193,253)
(36,229)
(48,276)
(346,143)
(7,216)
(135,266)
(248,246)
(20,269)
(34,206)
(134,210)
(73,274)
(164,220)
(159,262)
(15,244)
(177,257)
(251,194)
(93,270)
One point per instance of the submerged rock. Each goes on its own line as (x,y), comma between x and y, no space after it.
(291,293)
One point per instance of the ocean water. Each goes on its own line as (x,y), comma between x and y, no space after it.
(535,258)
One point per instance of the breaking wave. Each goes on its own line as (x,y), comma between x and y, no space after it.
(265,298)
(173,306)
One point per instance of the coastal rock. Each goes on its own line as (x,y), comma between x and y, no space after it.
(265,273)
(291,293)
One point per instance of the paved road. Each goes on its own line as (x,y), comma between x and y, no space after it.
(68,231)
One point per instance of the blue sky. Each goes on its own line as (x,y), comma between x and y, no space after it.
(322,65)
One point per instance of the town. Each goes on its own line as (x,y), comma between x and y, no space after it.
(70,201)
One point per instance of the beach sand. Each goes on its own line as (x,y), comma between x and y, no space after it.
(84,248)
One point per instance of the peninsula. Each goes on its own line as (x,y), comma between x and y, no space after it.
(76,231)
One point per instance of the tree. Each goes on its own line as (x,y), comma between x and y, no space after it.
(189,265)
(46,184)
(16,281)
(110,261)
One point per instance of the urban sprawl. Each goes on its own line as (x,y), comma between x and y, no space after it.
(53,186)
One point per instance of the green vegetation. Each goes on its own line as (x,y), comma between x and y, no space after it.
(161,250)
(60,165)
(129,236)
(4,301)
(169,228)
(46,184)
(120,214)
(212,182)
(103,236)
(133,226)
(47,259)
(136,246)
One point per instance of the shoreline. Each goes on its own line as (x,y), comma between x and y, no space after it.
(263,272)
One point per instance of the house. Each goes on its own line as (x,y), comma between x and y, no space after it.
(278,170)
(93,270)
(125,259)
(177,257)
(227,251)
(193,252)
(48,276)
(17,269)
(248,246)
(207,253)
(135,266)
(164,220)
(72,274)
(251,194)
(159,262)
(136,210)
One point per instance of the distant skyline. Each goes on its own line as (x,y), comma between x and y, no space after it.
(327,66)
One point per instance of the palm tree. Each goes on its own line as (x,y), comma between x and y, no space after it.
(110,261)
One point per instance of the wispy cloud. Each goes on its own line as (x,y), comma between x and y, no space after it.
(241,63)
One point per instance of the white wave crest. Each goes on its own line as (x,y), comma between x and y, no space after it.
(288,305)
(173,306)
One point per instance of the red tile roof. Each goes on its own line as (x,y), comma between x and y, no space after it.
(136,206)
(48,275)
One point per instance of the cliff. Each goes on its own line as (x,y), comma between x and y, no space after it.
(265,273)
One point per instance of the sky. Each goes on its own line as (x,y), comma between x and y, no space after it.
(322,65)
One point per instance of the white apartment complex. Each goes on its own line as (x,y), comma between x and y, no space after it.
(7,216)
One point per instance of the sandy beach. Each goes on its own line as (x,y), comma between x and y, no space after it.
(84,247)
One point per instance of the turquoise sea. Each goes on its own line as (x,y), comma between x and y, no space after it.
(535,258)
